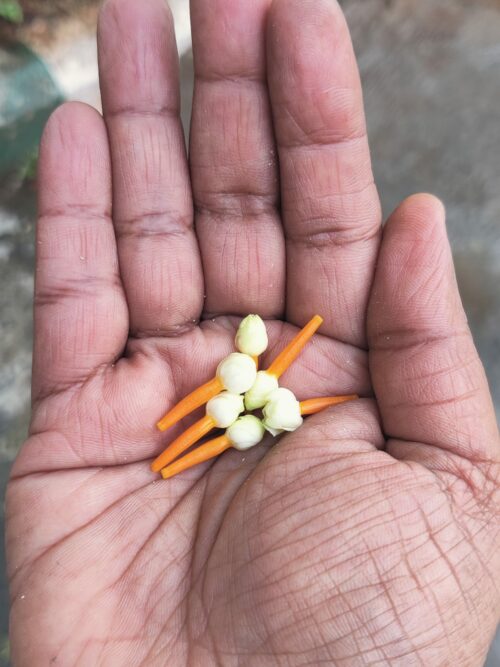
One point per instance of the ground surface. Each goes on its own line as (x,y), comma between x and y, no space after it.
(432,86)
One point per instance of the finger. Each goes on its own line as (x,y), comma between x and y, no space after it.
(233,162)
(330,206)
(152,204)
(428,379)
(81,319)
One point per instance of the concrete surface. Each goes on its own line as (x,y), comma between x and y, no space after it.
(432,87)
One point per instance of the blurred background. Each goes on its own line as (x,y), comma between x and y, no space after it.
(431,73)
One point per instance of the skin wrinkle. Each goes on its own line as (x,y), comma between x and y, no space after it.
(293,625)
(244,78)
(242,205)
(182,584)
(442,554)
(340,182)
(50,548)
(154,139)
(353,611)
(314,140)
(326,375)
(356,618)
(278,582)
(441,388)
(449,426)
(477,553)
(312,470)
(69,448)
(347,552)
(442,371)
(412,339)
(339,507)
(452,400)
(451,465)
(112,639)
(91,477)
(467,488)
(329,539)
(375,646)
(174,331)
(168,111)
(396,613)
(39,398)
(332,202)
(306,173)
(75,210)
(143,225)
(110,586)
(117,501)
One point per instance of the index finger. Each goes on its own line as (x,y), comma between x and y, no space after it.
(152,204)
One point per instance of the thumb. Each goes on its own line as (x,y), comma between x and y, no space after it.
(429,382)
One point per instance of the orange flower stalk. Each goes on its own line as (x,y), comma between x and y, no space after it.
(267,381)
(204,453)
(183,442)
(287,356)
(192,401)
(314,405)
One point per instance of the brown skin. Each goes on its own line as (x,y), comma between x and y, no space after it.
(368,537)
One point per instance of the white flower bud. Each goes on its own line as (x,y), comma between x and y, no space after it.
(225,408)
(246,432)
(251,337)
(282,411)
(237,372)
(258,394)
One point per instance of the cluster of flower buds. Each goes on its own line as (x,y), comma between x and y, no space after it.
(238,387)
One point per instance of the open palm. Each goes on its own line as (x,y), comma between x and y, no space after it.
(370,535)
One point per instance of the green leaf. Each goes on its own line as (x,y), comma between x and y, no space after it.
(11,10)
(28,170)
(4,651)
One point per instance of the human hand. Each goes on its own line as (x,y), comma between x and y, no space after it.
(368,536)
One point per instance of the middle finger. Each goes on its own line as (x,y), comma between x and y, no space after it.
(233,163)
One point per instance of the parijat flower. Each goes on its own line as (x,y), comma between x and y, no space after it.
(213,387)
(246,432)
(282,412)
(237,374)
(251,337)
(257,396)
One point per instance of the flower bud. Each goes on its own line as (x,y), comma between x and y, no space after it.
(237,372)
(282,412)
(246,432)
(225,408)
(258,394)
(251,337)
